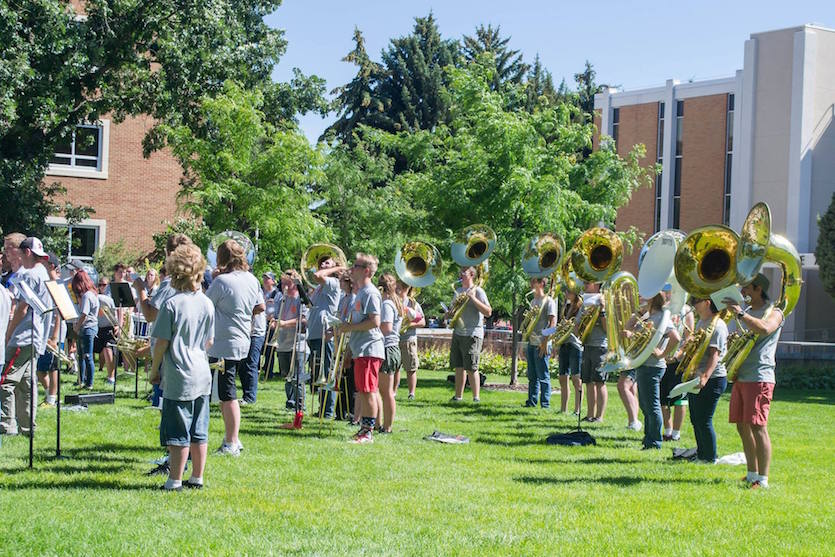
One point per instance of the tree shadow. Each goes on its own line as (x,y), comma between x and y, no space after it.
(593,460)
(805,397)
(621,481)
(74,482)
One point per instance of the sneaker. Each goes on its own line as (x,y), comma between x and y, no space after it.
(163,488)
(240,446)
(110,382)
(634,426)
(242,402)
(528,405)
(455,400)
(228,450)
(46,404)
(666,437)
(363,438)
(411,397)
(758,485)
(189,485)
(476,400)
(159,470)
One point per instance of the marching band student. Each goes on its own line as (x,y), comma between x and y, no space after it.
(272,299)
(87,325)
(257,337)
(47,362)
(649,376)
(468,335)
(346,366)
(5,314)
(25,338)
(673,421)
(287,324)
(754,386)
(628,391)
(324,300)
(391,318)
(183,328)
(366,342)
(594,352)
(570,357)
(235,293)
(712,379)
(106,334)
(539,348)
(408,340)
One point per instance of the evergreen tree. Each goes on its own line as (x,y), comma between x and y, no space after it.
(507,64)
(539,84)
(825,250)
(587,87)
(357,102)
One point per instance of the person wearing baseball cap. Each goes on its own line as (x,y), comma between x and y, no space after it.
(25,340)
(754,385)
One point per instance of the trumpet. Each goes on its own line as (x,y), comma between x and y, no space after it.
(471,248)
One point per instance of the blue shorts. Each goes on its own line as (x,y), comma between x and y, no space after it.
(45,362)
(184,422)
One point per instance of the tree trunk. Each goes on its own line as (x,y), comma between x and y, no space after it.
(514,325)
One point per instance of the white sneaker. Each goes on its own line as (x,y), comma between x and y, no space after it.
(228,450)
(240,445)
(634,426)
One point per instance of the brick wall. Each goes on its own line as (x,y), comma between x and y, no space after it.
(138,195)
(638,124)
(703,163)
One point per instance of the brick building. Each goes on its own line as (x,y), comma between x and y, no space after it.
(764,134)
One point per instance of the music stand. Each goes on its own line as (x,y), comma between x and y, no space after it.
(122,298)
(62,301)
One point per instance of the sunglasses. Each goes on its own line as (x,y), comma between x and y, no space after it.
(359,265)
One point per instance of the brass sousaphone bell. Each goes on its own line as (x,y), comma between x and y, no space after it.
(597,255)
(418,264)
(316,253)
(240,237)
(542,258)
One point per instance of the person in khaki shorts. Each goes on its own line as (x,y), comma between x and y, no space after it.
(408,340)
(468,335)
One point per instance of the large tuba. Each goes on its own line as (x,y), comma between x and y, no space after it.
(569,282)
(705,263)
(471,248)
(631,338)
(542,258)
(418,264)
(756,246)
(316,253)
(240,237)
(597,255)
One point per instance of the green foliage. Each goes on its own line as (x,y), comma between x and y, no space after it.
(154,57)
(436,358)
(114,252)
(195,229)
(507,64)
(825,250)
(800,375)
(245,174)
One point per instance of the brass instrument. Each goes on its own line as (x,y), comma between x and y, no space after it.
(756,246)
(569,282)
(58,353)
(126,343)
(631,338)
(316,253)
(597,255)
(418,264)
(471,248)
(240,237)
(542,258)
(705,263)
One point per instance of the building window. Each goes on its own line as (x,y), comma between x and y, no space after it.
(82,153)
(83,239)
(659,159)
(678,162)
(729,152)
(615,125)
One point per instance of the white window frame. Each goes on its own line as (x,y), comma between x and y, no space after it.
(98,173)
(99,224)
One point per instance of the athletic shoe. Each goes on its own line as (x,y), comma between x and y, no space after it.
(109,382)
(476,400)
(242,402)
(455,400)
(528,405)
(159,470)
(163,488)
(666,437)
(228,450)
(240,446)
(411,397)
(46,404)
(189,485)
(758,485)
(363,438)
(634,426)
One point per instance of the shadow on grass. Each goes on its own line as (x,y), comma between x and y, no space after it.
(622,481)
(804,396)
(594,460)
(73,482)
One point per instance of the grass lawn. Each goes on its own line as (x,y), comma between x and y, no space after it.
(506,492)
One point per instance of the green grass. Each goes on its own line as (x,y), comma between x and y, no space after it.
(507,492)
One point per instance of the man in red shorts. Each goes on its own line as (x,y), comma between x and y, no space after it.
(366,342)
(754,385)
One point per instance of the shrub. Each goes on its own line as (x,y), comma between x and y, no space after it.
(799,375)
(491,363)
(114,252)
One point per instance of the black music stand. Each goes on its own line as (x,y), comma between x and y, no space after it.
(122,298)
(62,302)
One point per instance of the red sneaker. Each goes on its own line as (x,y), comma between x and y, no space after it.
(362,438)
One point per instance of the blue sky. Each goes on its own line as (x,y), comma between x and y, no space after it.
(633,44)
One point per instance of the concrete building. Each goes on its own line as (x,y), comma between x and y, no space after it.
(763,134)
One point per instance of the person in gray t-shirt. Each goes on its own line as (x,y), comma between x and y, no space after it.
(5,313)
(366,342)
(413,319)
(184,328)
(753,387)
(538,348)
(324,301)
(594,353)
(468,334)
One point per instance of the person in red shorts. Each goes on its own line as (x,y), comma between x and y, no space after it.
(366,342)
(754,385)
